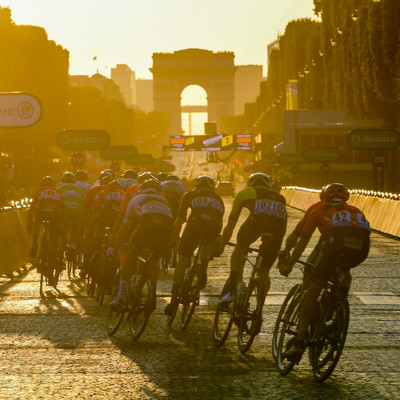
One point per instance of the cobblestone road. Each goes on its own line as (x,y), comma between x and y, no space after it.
(58,348)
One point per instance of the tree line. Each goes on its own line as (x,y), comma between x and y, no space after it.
(348,59)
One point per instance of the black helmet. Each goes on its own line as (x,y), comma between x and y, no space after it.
(111,172)
(68,177)
(144,176)
(151,186)
(105,173)
(162,176)
(173,177)
(259,179)
(336,193)
(81,175)
(114,184)
(130,173)
(105,180)
(204,182)
(47,181)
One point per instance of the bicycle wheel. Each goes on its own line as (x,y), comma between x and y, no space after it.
(250,315)
(190,297)
(280,319)
(287,335)
(115,317)
(223,321)
(329,341)
(143,304)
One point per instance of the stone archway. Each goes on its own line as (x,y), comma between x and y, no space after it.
(173,72)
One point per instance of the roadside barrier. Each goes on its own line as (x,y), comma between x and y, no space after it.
(14,239)
(381,209)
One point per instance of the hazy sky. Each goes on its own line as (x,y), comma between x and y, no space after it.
(130,31)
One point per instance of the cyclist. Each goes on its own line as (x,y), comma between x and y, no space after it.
(267,216)
(82,180)
(203,226)
(173,192)
(162,176)
(147,223)
(344,233)
(74,197)
(47,204)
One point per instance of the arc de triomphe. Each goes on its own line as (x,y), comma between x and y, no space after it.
(173,72)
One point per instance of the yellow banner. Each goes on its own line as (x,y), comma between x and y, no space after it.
(226,140)
(291,95)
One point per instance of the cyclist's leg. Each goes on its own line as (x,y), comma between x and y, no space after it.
(35,236)
(187,245)
(209,243)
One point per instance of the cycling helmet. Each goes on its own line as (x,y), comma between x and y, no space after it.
(111,172)
(131,174)
(144,176)
(172,177)
(115,184)
(105,173)
(322,193)
(276,186)
(259,179)
(162,176)
(151,186)
(105,180)
(68,177)
(81,175)
(204,182)
(47,181)
(336,193)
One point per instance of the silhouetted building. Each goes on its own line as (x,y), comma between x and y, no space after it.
(108,88)
(144,95)
(247,85)
(125,78)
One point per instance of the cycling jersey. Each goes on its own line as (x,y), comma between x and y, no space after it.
(73,198)
(205,205)
(126,182)
(173,192)
(327,217)
(152,222)
(261,202)
(301,223)
(47,199)
(83,185)
(130,193)
(108,205)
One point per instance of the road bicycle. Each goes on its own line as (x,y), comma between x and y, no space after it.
(246,308)
(189,294)
(327,332)
(48,264)
(140,299)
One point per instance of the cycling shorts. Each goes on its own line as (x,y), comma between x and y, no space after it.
(196,232)
(347,244)
(253,228)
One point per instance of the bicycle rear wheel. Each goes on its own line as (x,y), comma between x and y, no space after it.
(328,345)
(144,302)
(223,321)
(287,336)
(115,317)
(280,319)
(250,315)
(190,297)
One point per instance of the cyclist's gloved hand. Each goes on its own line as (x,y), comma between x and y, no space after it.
(219,251)
(110,251)
(283,263)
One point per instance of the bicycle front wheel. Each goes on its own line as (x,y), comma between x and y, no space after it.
(280,319)
(143,304)
(287,336)
(250,315)
(328,344)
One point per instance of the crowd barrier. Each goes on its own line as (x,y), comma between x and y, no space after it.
(14,239)
(381,209)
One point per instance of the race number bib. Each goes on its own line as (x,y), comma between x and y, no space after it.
(341,218)
(363,222)
(269,207)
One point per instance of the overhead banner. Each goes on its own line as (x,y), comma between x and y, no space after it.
(19,109)
(210,143)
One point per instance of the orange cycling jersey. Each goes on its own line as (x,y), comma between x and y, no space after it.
(130,193)
(92,196)
(301,223)
(48,199)
(112,196)
(326,217)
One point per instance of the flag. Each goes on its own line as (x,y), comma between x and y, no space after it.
(95,58)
